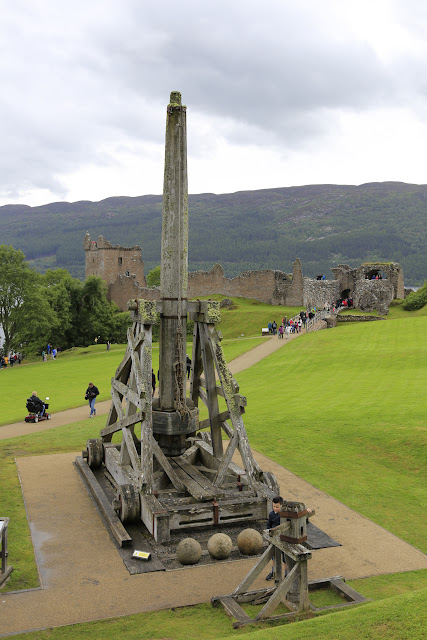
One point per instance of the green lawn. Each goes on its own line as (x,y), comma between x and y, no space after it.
(345,409)
(65,380)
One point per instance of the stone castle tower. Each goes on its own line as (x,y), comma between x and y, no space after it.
(108,262)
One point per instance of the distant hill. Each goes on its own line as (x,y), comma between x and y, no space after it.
(323,225)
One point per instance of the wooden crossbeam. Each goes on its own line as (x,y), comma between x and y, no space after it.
(193,472)
(122,371)
(135,341)
(167,467)
(255,571)
(128,443)
(192,486)
(121,424)
(117,401)
(225,462)
(280,593)
(132,397)
(223,416)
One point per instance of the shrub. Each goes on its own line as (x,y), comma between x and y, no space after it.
(416,299)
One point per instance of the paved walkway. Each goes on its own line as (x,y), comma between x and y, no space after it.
(82,413)
(83,577)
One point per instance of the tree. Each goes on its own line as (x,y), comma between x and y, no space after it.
(24,310)
(153,277)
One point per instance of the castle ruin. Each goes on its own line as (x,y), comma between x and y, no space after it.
(122,269)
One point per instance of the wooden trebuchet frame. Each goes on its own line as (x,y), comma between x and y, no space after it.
(203,486)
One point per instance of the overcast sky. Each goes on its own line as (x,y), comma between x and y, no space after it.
(279,93)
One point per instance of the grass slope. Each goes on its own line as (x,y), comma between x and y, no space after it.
(345,409)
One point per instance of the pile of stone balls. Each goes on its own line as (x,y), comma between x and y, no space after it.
(249,543)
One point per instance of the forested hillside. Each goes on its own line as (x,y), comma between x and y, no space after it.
(323,225)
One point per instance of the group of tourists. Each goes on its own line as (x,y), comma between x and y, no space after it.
(293,325)
(50,351)
(6,361)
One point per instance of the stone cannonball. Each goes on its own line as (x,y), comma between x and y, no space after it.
(219,546)
(249,542)
(188,551)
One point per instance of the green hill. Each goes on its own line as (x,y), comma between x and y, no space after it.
(323,225)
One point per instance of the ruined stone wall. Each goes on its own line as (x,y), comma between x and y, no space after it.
(373,294)
(317,292)
(108,262)
(259,285)
(126,288)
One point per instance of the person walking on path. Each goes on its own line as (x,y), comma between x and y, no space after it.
(90,395)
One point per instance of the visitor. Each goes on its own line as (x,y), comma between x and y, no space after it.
(188,365)
(39,404)
(281,332)
(153,382)
(274,327)
(269,327)
(90,395)
(108,345)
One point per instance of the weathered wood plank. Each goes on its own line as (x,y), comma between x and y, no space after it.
(126,422)
(211,391)
(196,365)
(193,487)
(279,594)
(194,473)
(348,592)
(147,425)
(225,462)
(135,339)
(204,424)
(234,610)
(127,441)
(166,465)
(255,571)
(125,391)
(117,402)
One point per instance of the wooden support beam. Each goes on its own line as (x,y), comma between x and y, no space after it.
(135,341)
(223,416)
(132,454)
(255,571)
(192,486)
(211,391)
(146,365)
(225,462)
(121,424)
(279,594)
(132,396)
(123,370)
(166,465)
(195,474)
(196,366)
(117,401)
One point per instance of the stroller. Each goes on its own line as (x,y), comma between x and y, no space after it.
(37,412)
